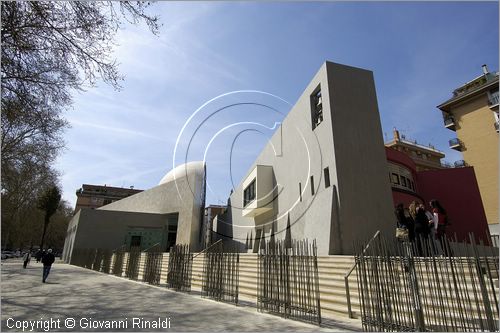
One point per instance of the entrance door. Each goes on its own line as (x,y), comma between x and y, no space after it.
(135,241)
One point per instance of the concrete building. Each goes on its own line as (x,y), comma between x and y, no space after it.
(472,113)
(425,157)
(170,213)
(323,175)
(95,196)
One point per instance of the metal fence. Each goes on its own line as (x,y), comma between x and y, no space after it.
(83,258)
(106,261)
(221,274)
(428,285)
(180,266)
(152,269)
(134,256)
(288,282)
(119,255)
(98,258)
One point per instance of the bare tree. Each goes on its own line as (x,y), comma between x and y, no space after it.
(49,50)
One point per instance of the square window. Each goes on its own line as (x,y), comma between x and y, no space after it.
(403,181)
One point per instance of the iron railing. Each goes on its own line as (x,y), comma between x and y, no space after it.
(180,266)
(495,240)
(134,257)
(428,285)
(348,274)
(152,269)
(106,261)
(455,142)
(119,255)
(288,281)
(221,274)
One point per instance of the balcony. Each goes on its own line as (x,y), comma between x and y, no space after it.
(456,144)
(460,164)
(493,100)
(449,122)
(259,192)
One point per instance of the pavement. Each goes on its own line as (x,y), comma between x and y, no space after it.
(78,299)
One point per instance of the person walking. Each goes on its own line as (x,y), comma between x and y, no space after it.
(38,255)
(26,259)
(47,261)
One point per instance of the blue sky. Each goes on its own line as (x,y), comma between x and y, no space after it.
(419,52)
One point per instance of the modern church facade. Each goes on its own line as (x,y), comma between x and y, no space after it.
(323,176)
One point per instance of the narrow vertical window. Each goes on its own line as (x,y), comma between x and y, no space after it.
(312,185)
(316,107)
(249,193)
(300,191)
(327,177)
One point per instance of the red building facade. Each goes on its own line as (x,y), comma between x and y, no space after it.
(455,188)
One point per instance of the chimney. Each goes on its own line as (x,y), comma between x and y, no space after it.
(396,134)
(485,69)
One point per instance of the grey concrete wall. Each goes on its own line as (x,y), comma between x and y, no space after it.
(348,142)
(108,229)
(365,199)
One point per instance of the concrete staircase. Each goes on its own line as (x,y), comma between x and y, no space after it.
(331,283)
(331,271)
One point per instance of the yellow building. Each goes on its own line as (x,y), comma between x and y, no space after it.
(472,113)
(425,157)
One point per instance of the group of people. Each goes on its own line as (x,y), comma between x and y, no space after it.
(47,259)
(420,222)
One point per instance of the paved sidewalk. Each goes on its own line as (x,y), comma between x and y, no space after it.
(74,292)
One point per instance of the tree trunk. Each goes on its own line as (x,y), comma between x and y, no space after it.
(45,224)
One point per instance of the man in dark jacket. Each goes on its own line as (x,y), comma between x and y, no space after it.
(47,261)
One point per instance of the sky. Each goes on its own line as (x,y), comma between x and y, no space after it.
(182,86)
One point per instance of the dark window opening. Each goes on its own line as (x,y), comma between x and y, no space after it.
(403,181)
(395,178)
(171,239)
(249,193)
(327,177)
(316,107)
(312,185)
(300,191)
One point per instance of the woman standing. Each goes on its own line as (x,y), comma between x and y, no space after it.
(404,221)
(440,219)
